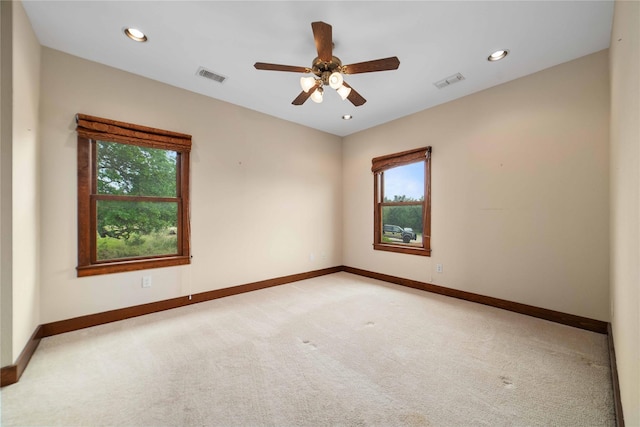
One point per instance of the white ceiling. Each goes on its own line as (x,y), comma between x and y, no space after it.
(432,39)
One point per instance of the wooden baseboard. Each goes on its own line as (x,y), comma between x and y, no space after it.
(617,401)
(542,313)
(82,322)
(529,310)
(11,374)
(8,375)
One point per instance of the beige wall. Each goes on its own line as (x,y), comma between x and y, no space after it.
(625,203)
(266,195)
(519,190)
(6,228)
(24,194)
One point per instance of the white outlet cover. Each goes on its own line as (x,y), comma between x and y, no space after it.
(146,281)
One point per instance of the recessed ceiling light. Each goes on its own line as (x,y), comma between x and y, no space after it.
(347,117)
(498,55)
(135,34)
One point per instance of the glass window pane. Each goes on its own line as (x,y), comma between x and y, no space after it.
(404,183)
(125,169)
(402,225)
(136,229)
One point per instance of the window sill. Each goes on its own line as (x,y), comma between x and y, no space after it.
(132,265)
(401,249)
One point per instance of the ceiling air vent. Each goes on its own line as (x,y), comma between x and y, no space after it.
(449,81)
(203,72)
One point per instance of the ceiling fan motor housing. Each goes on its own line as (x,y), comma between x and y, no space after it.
(324,69)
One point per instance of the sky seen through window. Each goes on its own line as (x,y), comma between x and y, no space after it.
(407,180)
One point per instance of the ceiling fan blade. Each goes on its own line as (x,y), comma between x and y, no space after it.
(322,34)
(278,67)
(355,98)
(300,99)
(384,64)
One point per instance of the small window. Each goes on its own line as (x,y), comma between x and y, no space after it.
(133,197)
(402,194)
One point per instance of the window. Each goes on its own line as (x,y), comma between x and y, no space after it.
(133,197)
(402,198)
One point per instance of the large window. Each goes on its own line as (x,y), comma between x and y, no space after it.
(402,199)
(133,197)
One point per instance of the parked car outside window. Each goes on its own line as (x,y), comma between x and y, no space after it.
(395,231)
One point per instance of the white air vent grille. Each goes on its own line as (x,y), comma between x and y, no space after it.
(203,72)
(449,81)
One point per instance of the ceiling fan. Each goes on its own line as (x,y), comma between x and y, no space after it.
(328,70)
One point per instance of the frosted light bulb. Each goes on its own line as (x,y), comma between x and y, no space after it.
(316,96)
(335,80)
(307,83)
(344,91)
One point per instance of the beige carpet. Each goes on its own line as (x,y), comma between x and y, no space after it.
(334,350)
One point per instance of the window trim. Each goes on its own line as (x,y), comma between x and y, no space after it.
(91,129)
(383,163)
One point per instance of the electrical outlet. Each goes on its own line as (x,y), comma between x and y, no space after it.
(146,281)
(312,257)
(438,268)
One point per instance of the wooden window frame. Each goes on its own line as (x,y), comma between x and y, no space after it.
(91,129)
(383,163)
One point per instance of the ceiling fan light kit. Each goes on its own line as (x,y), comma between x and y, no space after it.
(344,92)
(335,80)
(328,70)
(307,83)
(316,96)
